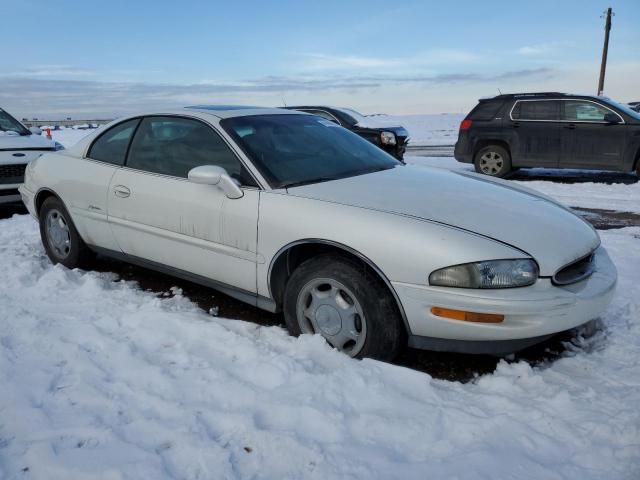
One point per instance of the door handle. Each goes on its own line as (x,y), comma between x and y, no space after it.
(121,191)
(515,125)
(571,126)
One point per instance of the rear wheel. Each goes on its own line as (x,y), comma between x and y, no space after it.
(493,160)
(60,237)
(333,296)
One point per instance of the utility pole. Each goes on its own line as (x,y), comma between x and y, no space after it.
(605,50)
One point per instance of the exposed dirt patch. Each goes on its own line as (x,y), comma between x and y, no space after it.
(574,176)
(603,219)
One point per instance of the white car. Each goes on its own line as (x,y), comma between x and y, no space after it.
(18,146)
(288,211)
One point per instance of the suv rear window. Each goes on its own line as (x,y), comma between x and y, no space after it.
(536,110)
(486,110)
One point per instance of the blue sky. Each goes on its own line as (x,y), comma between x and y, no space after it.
(110,57)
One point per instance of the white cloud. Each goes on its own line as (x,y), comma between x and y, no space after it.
(439,57)
(318,61)
(53,71)
(541,48)
(370,92)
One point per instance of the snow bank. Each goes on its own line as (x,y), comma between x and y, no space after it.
(102,380)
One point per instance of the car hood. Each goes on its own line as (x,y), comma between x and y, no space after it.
(553,235)
(19,142)
(398,130)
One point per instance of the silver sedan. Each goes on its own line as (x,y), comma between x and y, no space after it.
(292,213)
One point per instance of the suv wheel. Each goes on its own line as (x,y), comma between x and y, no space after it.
(332,296)
(60,237)
(493,160)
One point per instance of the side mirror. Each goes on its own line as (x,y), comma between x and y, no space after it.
(611,118)
(35,130)
(218,176)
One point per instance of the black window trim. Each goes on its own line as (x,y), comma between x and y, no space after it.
(562,110)
(140,118)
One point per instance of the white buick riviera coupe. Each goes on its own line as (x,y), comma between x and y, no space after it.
(288,211)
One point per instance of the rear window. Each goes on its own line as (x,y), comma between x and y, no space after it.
(542,110)
(486,110)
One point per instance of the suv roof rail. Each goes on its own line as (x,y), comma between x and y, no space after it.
(531,94)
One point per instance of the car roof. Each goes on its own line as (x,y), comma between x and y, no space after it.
(198,111)
(307,106)
(229,111)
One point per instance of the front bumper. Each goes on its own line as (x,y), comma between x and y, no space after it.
(9,194)
(531,313)
(28,200)
(397,151)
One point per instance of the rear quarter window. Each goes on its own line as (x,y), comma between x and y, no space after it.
(486,110)
(111,146)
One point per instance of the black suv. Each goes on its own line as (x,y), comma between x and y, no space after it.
(392,140)
(553,130)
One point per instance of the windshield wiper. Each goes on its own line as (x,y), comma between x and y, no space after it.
(307,182)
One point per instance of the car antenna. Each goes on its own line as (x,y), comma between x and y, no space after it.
(499,91)
(284,103)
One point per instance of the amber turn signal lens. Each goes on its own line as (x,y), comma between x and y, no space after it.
(467,316)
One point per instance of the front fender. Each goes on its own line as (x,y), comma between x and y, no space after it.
(404,249)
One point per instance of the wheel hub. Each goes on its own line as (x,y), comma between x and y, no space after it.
(328,319)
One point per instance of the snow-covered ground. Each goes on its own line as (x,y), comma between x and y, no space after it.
(103,380)
(440,129)
(69,136)
(100,379)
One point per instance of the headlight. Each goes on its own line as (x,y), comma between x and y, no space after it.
(489,274)
(388,138)
(58,146)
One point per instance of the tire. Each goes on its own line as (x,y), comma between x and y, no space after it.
(60,238)
(493,160)
(354,311)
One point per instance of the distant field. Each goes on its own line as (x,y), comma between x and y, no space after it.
(436,129)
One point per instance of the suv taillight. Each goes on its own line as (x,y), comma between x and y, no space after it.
(465,124)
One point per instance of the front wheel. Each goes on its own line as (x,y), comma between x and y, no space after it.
(493,160)
(332,296)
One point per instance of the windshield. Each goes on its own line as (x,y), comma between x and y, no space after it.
(625,108)
(292,150)
(10,124)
